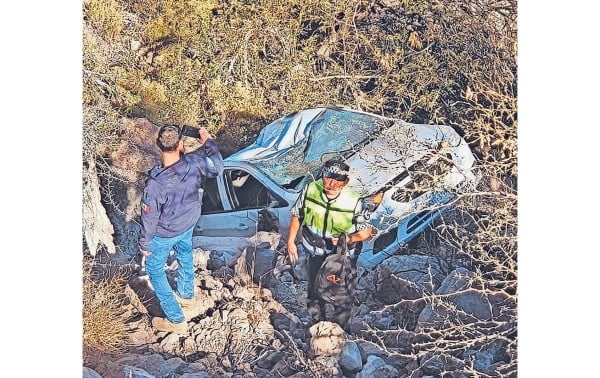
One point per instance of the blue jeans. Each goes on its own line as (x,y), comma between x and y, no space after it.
(155,266)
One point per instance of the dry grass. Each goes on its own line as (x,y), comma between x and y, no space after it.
(103,326)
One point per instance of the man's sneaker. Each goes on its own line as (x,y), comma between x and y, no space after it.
(166,325)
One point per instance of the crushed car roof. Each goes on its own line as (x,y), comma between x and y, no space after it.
(378,149)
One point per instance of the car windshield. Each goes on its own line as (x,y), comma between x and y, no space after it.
(330,133)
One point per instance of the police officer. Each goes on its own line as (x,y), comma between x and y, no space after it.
(325,209)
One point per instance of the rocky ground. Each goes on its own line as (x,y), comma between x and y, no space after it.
(247,323)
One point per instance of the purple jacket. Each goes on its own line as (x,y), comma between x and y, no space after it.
(171,201)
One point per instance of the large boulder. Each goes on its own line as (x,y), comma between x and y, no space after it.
(350,358)
(460,301)
(407,277)
(401,281)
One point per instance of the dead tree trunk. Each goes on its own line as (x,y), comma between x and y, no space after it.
(97,229)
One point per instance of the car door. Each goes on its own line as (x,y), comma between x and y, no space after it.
(214,220)
(236,203)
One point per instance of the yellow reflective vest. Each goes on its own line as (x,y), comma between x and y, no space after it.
(329,218)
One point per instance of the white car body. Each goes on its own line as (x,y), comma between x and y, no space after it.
(387,156)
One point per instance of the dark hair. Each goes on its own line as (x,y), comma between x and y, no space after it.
(168,138)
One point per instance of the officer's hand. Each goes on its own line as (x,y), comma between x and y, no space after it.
(292,250)
(145,253)
(334,240)
(204,135)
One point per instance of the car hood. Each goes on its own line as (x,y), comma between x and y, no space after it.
(404,151)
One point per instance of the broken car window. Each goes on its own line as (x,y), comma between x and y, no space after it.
(211,199)
(332,131)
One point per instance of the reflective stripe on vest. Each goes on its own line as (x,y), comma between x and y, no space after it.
(329,218)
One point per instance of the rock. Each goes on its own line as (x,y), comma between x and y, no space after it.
(170,343)
(153,365)
(259,262)
(285,367)
(281,322)
(97,229)
(350,359)
(407,277)
(226,363)
(377,368)
(266,295)
(141,336)
(484,360)
(260,372)
(326,328)
(370,349)
(201,374)
(463,303)
(356,324)
(397,281)
(170,366)
(243,293)
(212,362)
(201,258)
(215,261)
(189,346)
(135,372)
(206,281)
(406,364)
(292,296)
(135,45)
(382,320)
(195,368)
(327,367)
(327,339)
(302,374)
(400,339)
(270,360)
(90,373)
(438,364)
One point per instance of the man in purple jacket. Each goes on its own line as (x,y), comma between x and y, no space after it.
(171,206)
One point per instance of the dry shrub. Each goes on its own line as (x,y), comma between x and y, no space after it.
(105,15)
(103,301)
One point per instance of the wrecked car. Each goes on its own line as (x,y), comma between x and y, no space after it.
(407,174)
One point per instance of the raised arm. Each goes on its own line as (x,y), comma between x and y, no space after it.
(209,158)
